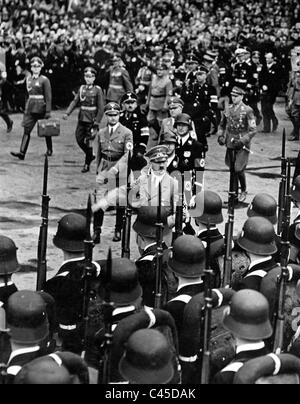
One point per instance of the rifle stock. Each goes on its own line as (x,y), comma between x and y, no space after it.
(282,186)
(89,271)
(127,218)
(159,253)
(108,307)
(283,278)
(206,316)
(229,228)
(43,234)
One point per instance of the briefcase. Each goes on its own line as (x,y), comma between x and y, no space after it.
(48,127)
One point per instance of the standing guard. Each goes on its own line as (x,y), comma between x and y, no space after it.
(3,113)
(8,266)
(38,106)
(91,102)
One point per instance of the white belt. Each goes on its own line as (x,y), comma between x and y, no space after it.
(116,86)
(36,97)
(89,108)
(68,327)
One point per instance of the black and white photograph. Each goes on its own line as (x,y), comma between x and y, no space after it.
(150,194)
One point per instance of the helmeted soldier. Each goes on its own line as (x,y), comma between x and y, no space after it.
(207,213)
(247,318)
(237,128)
(201,103)
(133,118)
(270,369)
(146,232)
(91,102)
(188,264)
(241,69)
(126,296)
(293,95)
(38,106)
(113,144)
(8,266)
(28,329)
(294,231)
(67,285)
(258,240)
(57,368)
(147,358)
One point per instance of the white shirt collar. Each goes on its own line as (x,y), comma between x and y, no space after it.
(113,127)
(182,283)
(250,347)
(122,310)
(259,261)
(184,139)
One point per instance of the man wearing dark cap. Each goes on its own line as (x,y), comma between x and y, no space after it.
(38,106)
(133,118)
(28,329)
(113,144)
(201,103)
(90,99)
(175,105)
(67,285)
(237,128)
(247,318)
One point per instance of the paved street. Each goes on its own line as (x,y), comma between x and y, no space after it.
(21,187)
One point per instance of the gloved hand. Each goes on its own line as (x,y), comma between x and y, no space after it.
(237,144)
(65,117)
(221,140)
(101,178)
(47,115)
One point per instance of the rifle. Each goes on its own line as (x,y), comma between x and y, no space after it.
(229,227)
(206,315)
(179,212)
(159,253)
(282,187)
(283,278)
(3,334)
(127,216)
(42,244)
(89,271)
(97,222)
(108,307)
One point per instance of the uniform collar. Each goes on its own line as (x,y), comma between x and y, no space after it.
(23,351)
(114,128)
(259,261)
(73,260)
(122,310)
(256,346)
(183,283)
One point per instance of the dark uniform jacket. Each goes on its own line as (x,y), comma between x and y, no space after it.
(270,77)
(137,123)
(246,353)
(242,74)
(177,305)
(20,358)
(40,95)
(190,155)
(256,273)
(91,102)
(6,291)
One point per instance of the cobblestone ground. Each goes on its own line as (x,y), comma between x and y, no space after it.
(21,188)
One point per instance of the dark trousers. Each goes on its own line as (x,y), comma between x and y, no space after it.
(83,132)
(4,115)
(267,109)
(240,176)
(99,217)
(29,122)
(254,106)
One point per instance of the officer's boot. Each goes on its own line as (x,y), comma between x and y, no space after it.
(23,149)
(49,151)
(119,224)
(98,221)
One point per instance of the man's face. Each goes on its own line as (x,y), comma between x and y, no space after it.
(89,79)
(159,168)
(201,77)
(160,72)
(113,119)
(36,69)
(269,58)
(171,148)
(236,99)
(175,110)
(191,66)
(182,129)
(130,106)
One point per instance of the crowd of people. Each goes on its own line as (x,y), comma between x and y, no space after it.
(152,81)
